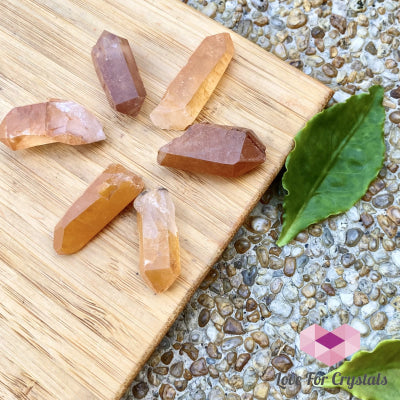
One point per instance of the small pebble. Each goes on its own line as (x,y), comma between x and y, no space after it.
(216,393)
(396,303)
(338,62)
(338,22)
(250,378)
(190,350)
(329,70)
(249,276)
(388,226)
(261,391)
(241,361)
(210,10)
(389,289)
(204,317)
(383,200)
(277,23)
(280,51)
(379,321)
(261,360)
(260,338)
(370,47)
(360,326)
(242,245)
(282,363)
(224,307)
(317,32)
(140,390)
(353,236)
(367,219)
(289,267)
(308,290)
(212,351)
(167,392)
(395,93)
(348,260)
(328,289)
(260,5)
(161,370)
(249,344)
(261,21)
(199,367)
(180,385)
(393,213)
(269,374)
(167,357)
(262,256)
(232,326)
(176,369)
(296,19)
(232,342)
(360,299)
(206,300)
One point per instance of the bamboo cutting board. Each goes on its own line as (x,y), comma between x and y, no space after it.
(81,326)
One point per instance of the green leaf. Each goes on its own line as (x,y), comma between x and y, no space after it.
(384,360)
(336,156)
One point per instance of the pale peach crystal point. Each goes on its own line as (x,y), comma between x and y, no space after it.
(190,90)
(54,121)
(158,235)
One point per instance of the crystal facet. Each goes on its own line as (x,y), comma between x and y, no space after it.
(55,121)
(118,73)
(194,84)
(102,201)
(214,149)
(158,235)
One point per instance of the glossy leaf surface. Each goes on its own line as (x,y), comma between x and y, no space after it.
(383,360)
(336,156)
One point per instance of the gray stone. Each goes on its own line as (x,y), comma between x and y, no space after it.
(277,23)
(379,321)
(353,236)
(280,308)
(231,343)
(361,326)
(290,292)
(369,309)
(260,5)
(216,393)
(393,326)
(389,270)
(250,378)
(261,360)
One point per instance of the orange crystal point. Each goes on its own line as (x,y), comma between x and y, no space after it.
(118,73)
(102,201)
(194,84)
(55,121)
(214,149)
(158,235)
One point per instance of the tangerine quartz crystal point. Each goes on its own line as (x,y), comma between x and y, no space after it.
(54,121)
(102,201)
(214,149)
(118,73)
(190,90)
(158,236)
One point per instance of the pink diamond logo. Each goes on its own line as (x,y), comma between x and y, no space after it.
(330,347)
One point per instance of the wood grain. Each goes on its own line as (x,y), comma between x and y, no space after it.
(81,326)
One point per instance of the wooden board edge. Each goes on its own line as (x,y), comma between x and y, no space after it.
(248,43)
(180,307)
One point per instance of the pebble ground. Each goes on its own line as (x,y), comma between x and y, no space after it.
(242,326)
